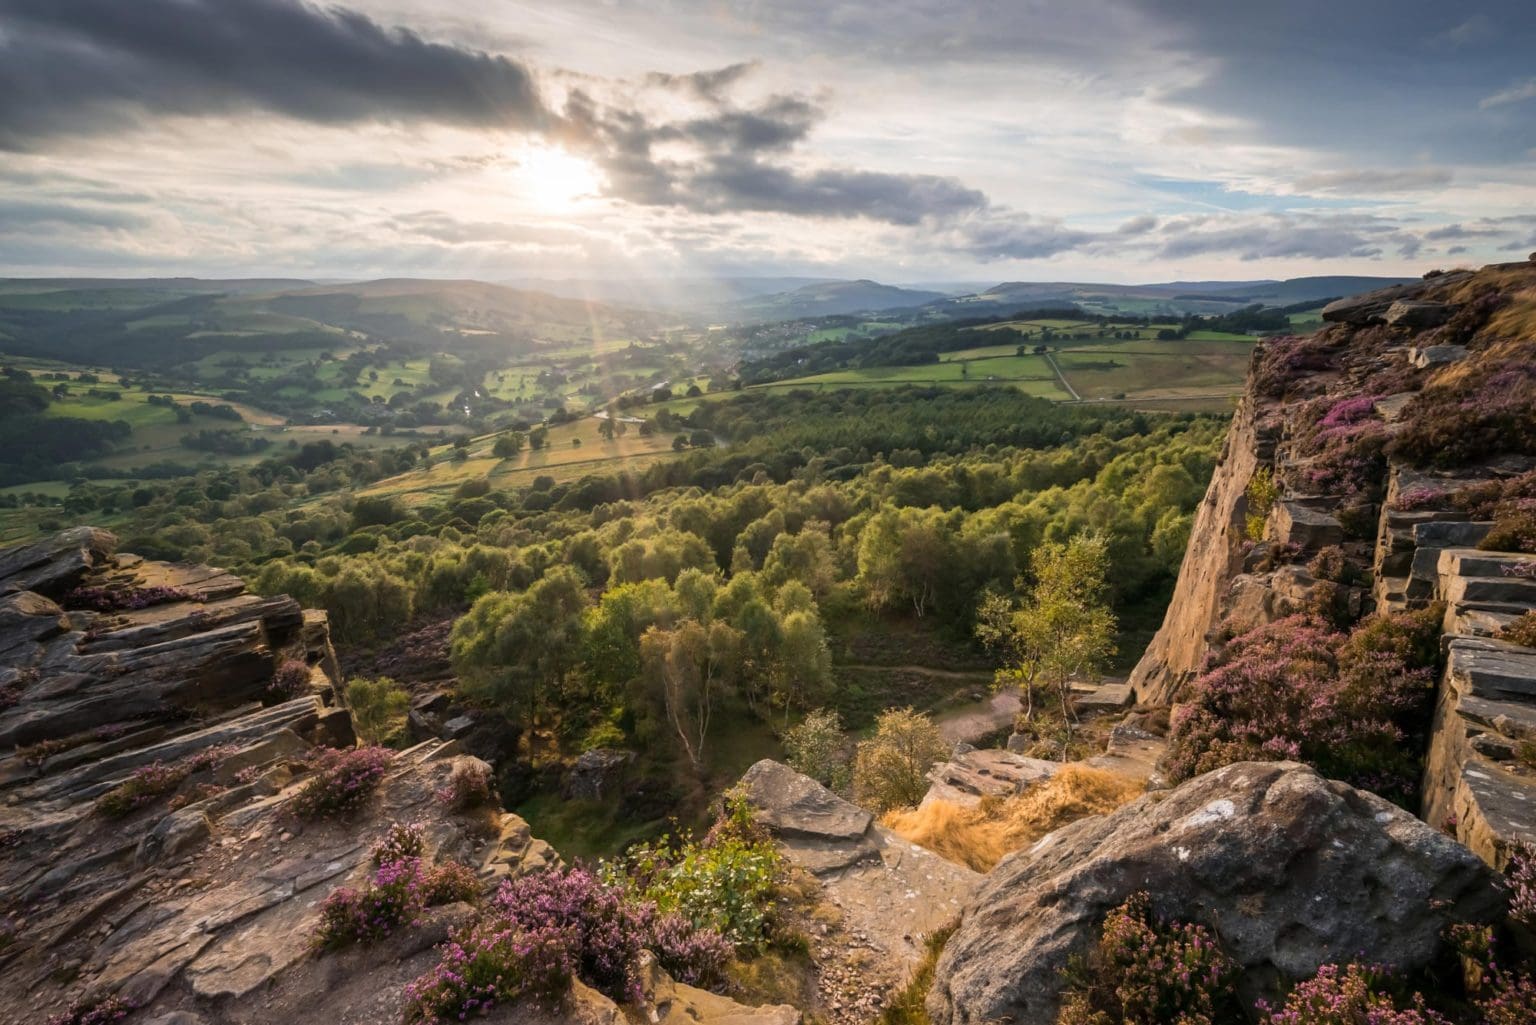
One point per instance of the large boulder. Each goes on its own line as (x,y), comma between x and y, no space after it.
(1290,870)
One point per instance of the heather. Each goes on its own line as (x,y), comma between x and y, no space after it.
(342,782)
(124,599)
(290,679)
(106,1011)
(1150,971)
(1344,445)
(1282,361)
(1522,631)
(469,785)
(1476,412)
(1353,994)
(388,902)
(1353,705)
(149,783)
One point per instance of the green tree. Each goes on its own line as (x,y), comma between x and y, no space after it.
(508,445)
(515,650)
(1064,627)
(816,747)
(378,708)
(890,770)
(689,665)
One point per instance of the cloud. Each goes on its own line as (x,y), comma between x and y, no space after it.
(1285,237)
(1518,93)
(87,66)
(16,214)
(712,86)
(1374,180)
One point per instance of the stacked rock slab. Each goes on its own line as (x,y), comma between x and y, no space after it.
(202,898)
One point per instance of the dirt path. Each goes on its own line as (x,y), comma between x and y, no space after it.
(978,720)
(947,674)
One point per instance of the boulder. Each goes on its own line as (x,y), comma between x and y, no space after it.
(797,806)
(1292,871)
(1417,315)
(1301,525)
(1427,356)
(55,565)
(596,774)
(673,1003)
(1371,307)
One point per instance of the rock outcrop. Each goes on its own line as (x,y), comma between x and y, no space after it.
(1290,870)
(202,900)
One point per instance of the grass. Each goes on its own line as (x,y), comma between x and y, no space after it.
(980,836)
(1104,373)
(909,1006)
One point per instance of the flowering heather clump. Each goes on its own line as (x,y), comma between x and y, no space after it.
(609,929)
(118,599)
(1522,886)
(1149,972)
(1421,496)
(392,900)
(490,963)
(450,883)
(1350,995)
(1484,411)
(1509,998)
(1283,360)
(469,785)
(401,841)
(1296,689)
(36,754)
(291,678)
(1522,631)
(1514,527)
(106,1011)
(342,782)
(143,787)
(693,956)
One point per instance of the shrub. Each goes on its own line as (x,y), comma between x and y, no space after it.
(1522,885)
(389,902)
(1146,971)
(1281,361)
(291,678)
(1480,411)
(723,885)
(122,599)
(489,963)
(1296,689)
(450,883)
(400,841)
(378,708)
(150,782)
(342,782)
(1514,527)
(816,747)
(1348,995)
(469,785)
(607,930)
(891,769)
(1262,493)
(693,956)
(106,1011)
(1509,998)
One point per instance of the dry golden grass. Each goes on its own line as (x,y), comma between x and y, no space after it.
(980,836)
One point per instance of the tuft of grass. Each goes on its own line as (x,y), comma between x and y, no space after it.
(980,836)
(910,1004)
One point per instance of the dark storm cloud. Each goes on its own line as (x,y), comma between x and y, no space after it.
(80,66)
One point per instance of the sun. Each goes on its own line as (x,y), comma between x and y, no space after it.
(553,179)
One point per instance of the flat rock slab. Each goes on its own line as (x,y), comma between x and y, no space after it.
(971,775)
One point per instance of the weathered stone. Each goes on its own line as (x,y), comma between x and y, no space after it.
(1372,307)
(793,805)
(971,775)
(1417,315)
(177,833)
(596,774)
(55,565)
(1290,870)
(1436,355)
(1294,523)
(674,1003)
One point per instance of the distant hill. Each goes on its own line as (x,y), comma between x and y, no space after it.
(175,286)
(1175,298)
(832,298)
(680,293)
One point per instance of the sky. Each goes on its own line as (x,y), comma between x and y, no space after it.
(902,140)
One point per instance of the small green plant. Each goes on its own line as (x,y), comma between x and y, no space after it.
(1262,492)
(891,769)
(816,747)
(909,1005)
(378,708)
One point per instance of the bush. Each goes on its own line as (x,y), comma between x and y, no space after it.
(389,902)
(723,885)
(817,748)
(1348,995)
(1282,361)
(693,956)
(400,841)
(891,769)
(343,781)
(1296,689)
(378,708)
(1146,971)
(489,963)
(150,782)
(607,930)
(450,883)
(123,599)
(106,1011)
(291,678)
(469,785)
(1262,493)
(1481,411)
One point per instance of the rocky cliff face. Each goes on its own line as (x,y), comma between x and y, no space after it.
(156,723)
